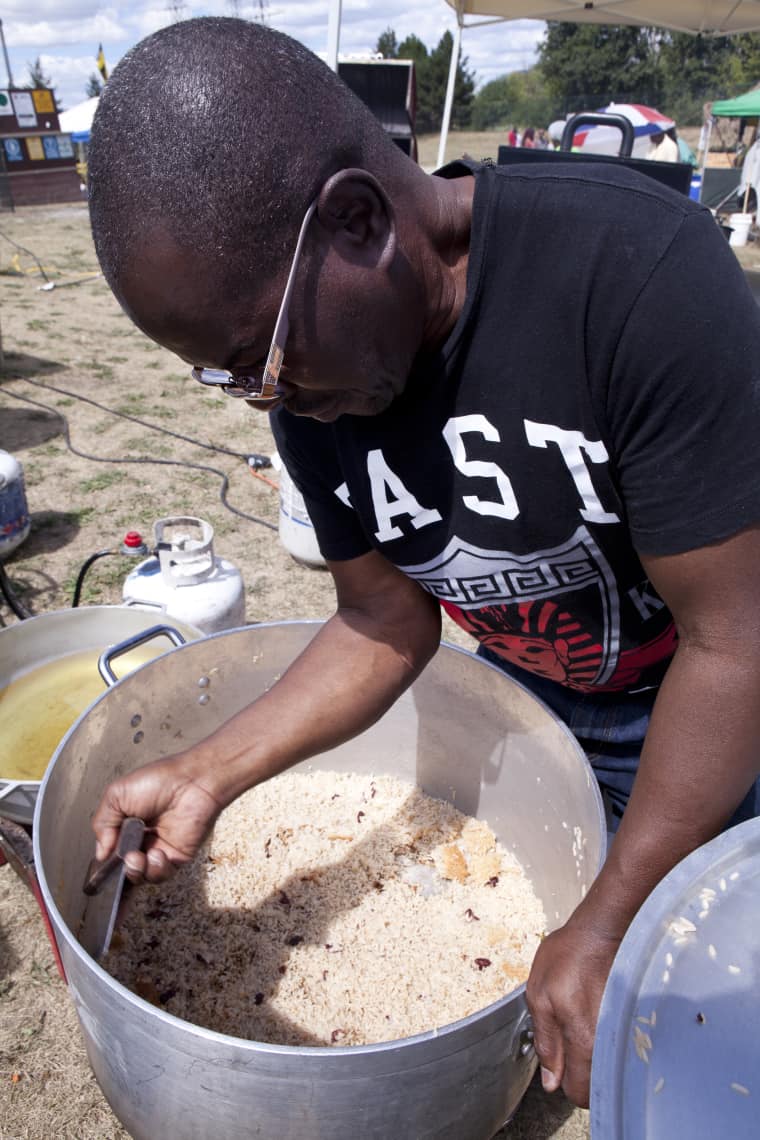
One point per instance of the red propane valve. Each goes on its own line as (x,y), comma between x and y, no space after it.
(133,543)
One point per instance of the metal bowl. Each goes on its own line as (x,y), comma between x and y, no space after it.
(54,637)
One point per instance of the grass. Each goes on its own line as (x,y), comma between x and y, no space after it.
(101,481)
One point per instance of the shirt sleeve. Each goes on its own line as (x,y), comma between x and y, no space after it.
(308,450)
(683,401)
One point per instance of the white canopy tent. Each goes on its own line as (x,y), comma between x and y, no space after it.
(77,121)
(698,17)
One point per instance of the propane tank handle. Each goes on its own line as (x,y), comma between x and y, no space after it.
(184,564)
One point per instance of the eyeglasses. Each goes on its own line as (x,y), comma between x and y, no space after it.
(249,385)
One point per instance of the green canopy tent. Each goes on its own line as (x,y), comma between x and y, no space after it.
(745,107)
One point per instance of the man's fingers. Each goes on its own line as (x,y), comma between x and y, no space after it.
(549,1081)
(106,838)
(159,866)
(135,863)
(549,1045)
(576,1078)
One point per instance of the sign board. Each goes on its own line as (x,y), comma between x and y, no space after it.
(23,105)
(6,107)
(42,98)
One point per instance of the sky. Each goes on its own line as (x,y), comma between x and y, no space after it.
(65,34)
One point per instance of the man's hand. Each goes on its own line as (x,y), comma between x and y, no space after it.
(178,814)
(564,993)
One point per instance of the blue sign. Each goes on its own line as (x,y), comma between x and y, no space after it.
(13,151)
(50,143)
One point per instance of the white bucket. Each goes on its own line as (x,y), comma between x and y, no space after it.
(296,529)
(740,224)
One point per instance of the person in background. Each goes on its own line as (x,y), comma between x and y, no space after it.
(685,153)
(555,131)
(585,504)
(528,139)
(512,137)
(542,140)
(663,148)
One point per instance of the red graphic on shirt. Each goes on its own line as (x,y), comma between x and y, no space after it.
(546,639)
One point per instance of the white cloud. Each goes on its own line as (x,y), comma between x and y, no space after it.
(66,33)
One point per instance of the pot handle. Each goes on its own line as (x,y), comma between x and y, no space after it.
(113,651)
(522,1046)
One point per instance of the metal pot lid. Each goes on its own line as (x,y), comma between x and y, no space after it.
(677,1050)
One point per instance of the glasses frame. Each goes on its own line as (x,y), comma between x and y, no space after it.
(262,390)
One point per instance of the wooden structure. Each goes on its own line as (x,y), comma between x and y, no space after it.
(388,87)
(38,159)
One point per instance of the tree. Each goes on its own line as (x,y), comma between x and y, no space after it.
(518,99)
(386,45)
(432,74)
(586,66)
(464,84)
(94,86)
(698,69)
(38,79)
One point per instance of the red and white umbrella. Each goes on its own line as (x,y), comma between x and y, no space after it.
(646,122)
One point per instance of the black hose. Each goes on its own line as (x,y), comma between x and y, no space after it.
(18,607)
(85,567)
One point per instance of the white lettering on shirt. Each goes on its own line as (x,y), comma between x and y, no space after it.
(344,495)
(382,481)
(572,445)
(646,603)
(506,507)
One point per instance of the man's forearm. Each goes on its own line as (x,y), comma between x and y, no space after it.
(347,677)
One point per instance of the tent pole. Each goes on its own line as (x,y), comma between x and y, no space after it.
(454,64)
(707,129)
(333,34)
(7,60)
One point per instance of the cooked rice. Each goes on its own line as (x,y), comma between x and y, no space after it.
(333,909)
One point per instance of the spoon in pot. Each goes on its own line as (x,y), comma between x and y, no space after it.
(104,884)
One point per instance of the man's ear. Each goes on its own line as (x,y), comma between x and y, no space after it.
(355,209)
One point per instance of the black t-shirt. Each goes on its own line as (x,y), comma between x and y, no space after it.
(599,396)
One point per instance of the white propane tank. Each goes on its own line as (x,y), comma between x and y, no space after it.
(14,513)
(187,581)
(296,529)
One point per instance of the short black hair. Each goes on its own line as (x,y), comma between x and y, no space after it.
(221,131)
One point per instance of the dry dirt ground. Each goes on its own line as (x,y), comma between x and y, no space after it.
(113,435)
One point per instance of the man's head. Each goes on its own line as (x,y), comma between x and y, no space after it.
(211,139)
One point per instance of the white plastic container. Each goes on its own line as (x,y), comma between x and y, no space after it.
(14,513)
(186,580)
(296,529)
(740,224)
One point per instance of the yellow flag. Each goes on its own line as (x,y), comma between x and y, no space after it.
(101,60)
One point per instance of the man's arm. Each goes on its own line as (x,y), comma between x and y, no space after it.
(384,631)
(701,755)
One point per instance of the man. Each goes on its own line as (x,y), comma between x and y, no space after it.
(663,148)
(583,497)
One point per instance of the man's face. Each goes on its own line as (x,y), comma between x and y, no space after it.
(354,331)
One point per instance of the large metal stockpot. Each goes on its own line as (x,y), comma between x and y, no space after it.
(56,638)
(464,732)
